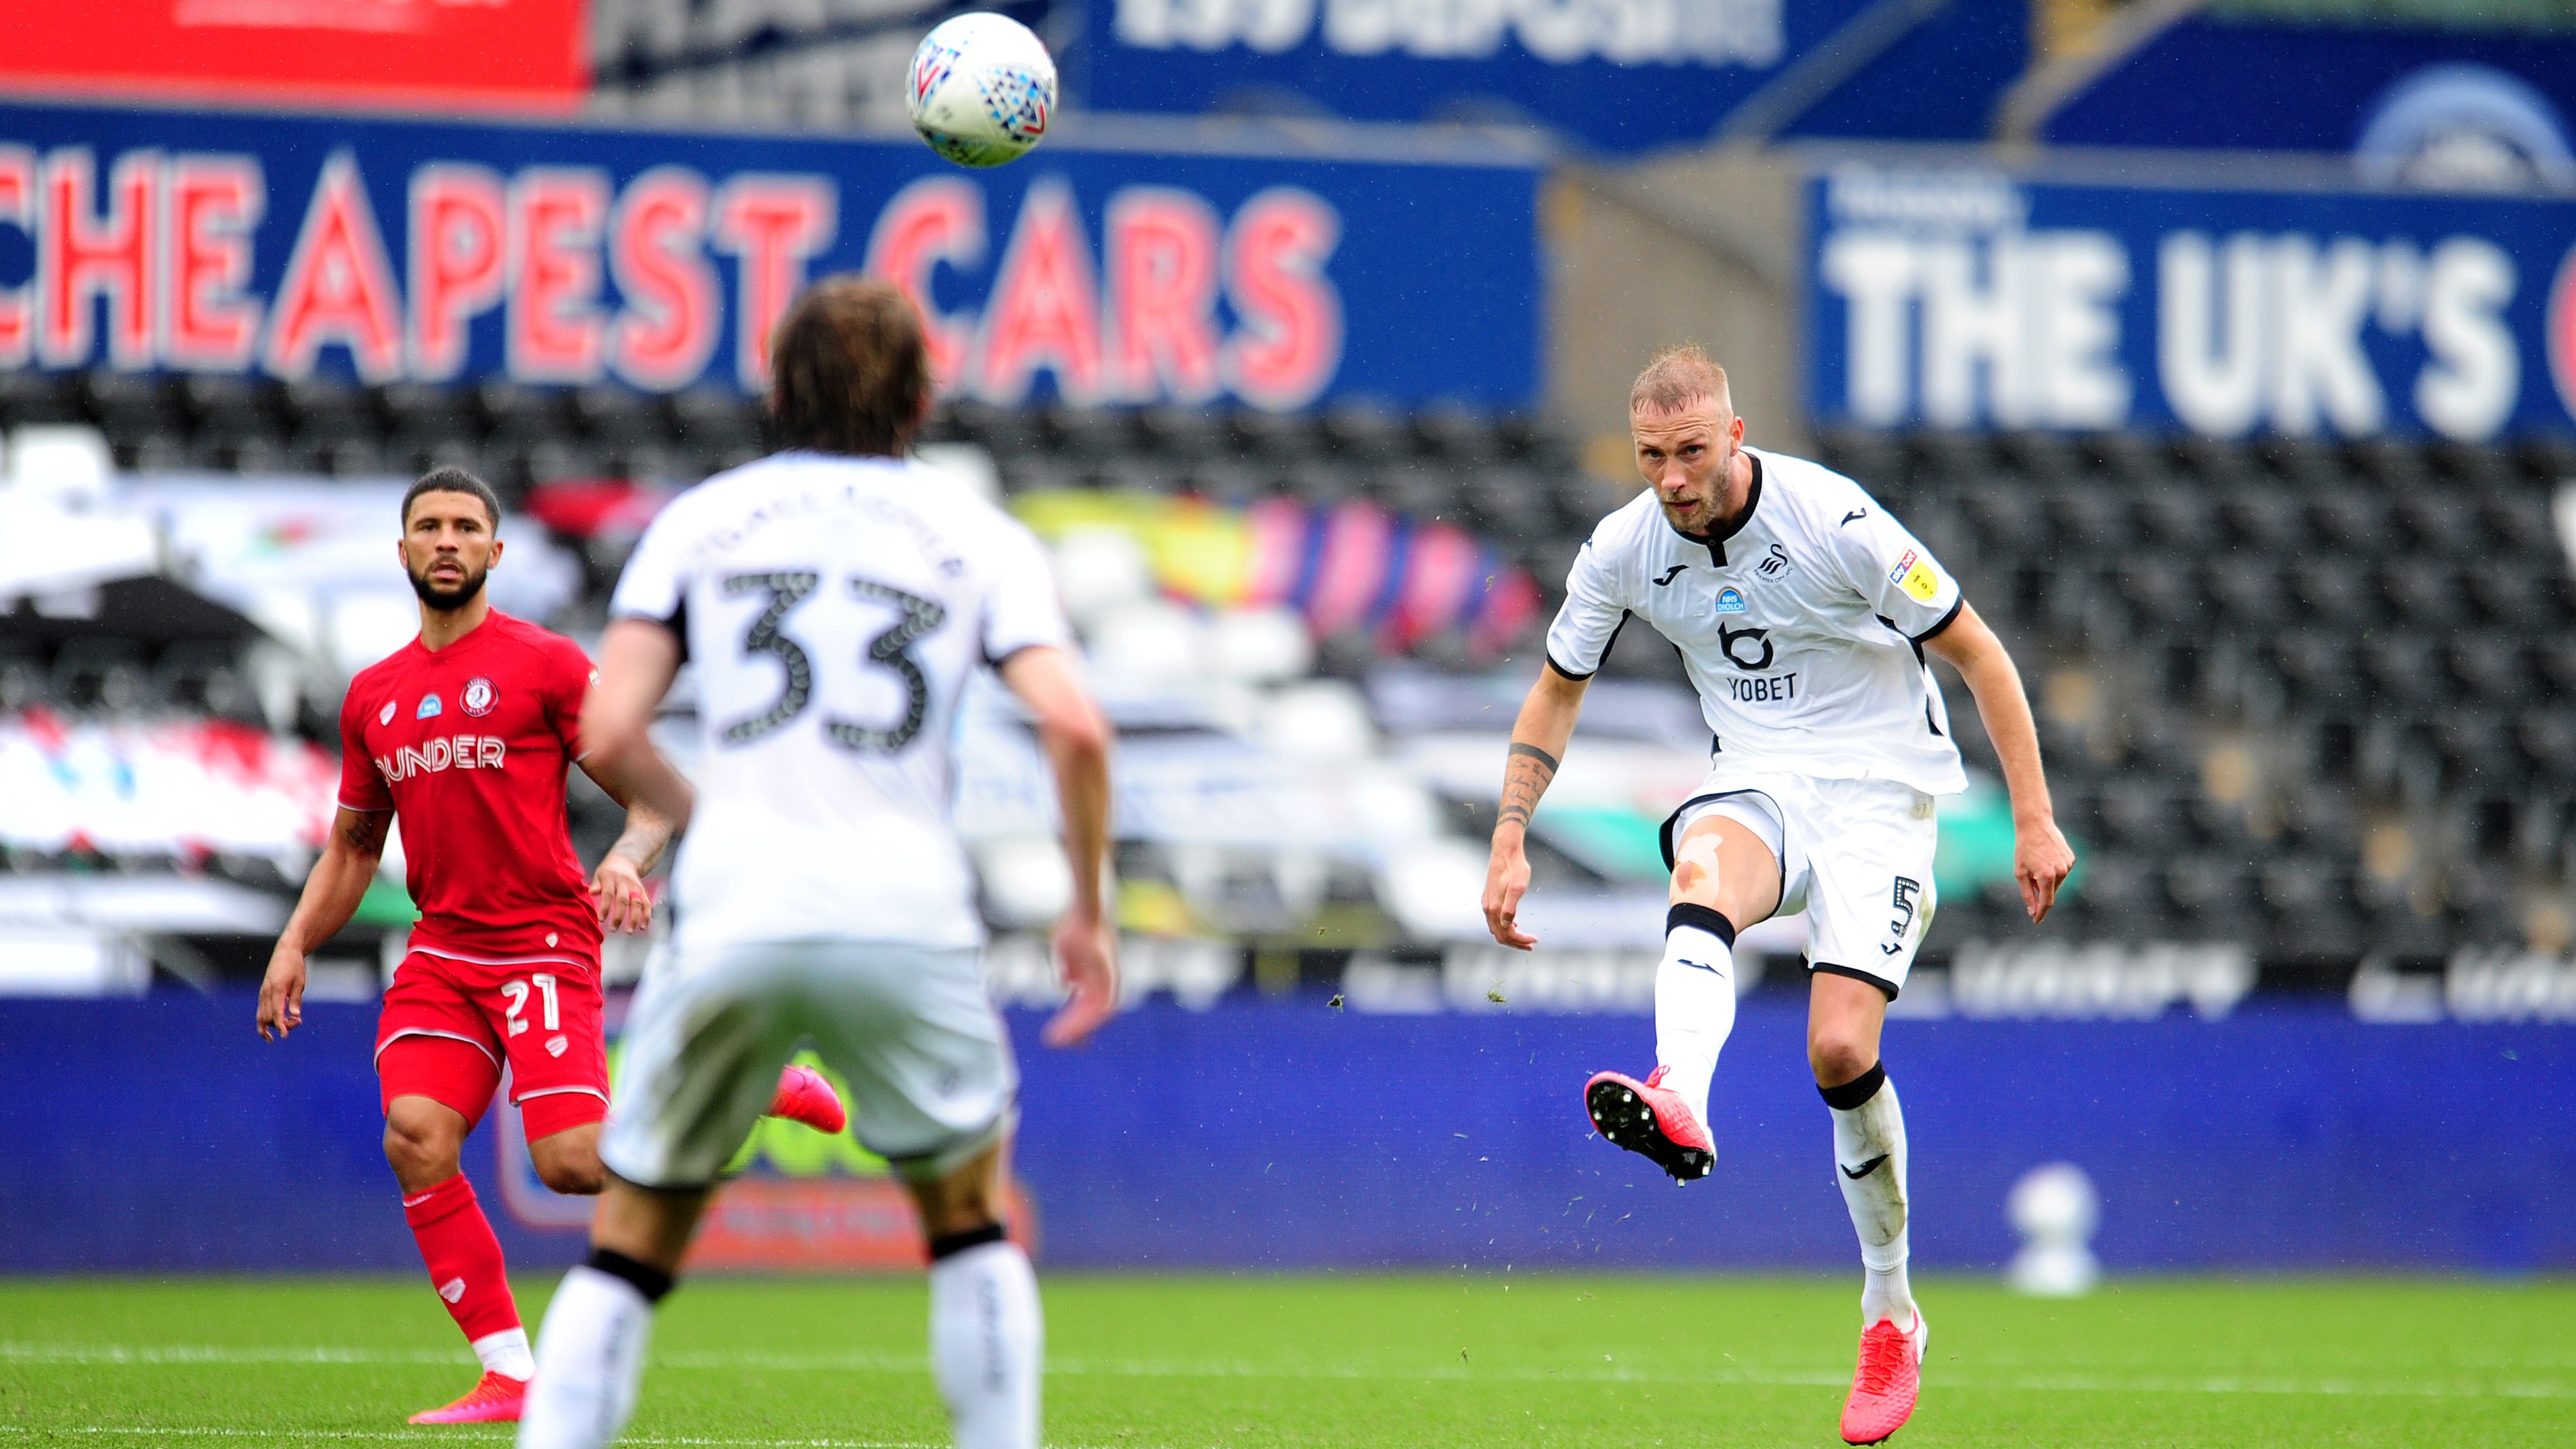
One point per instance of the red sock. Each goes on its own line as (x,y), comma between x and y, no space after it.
(464,1258)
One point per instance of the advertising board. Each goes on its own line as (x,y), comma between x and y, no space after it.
(410,251)
(520,54)
(161,1134)
(1970,298)
(1620,75)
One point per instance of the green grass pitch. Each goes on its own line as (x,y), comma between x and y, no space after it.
(1339,1360)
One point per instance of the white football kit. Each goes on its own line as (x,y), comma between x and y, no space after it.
(832,609)
(1802,630)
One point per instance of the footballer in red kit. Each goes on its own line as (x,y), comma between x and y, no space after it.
(469,747)
(468,735)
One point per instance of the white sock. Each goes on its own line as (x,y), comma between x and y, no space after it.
(1694,1000)
(590,1363)
(1870,1135)
(506,1353)
(986,1338)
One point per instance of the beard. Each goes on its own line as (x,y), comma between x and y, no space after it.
(1698,518)
(448,600)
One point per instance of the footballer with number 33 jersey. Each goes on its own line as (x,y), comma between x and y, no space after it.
(468,735)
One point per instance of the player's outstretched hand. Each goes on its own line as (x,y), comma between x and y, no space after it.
(1086,951)
(1507,878)
(2041,861)
(281,994)
(624,904)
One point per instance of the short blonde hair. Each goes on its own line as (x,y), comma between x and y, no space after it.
(1678,376)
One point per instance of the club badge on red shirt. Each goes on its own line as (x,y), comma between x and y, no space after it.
(478,697)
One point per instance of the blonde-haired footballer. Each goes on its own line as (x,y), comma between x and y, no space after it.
(1804,614)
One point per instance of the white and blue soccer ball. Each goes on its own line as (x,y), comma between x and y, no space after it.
(983,89)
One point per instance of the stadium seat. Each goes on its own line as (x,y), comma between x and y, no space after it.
(2489,666)
(2263,521)
(38,397)
(2350,520)
(2547,738)
(1275,437)
(2178,517)
(429,426)
(234,422)
(206,676)
(2247,589)
(1457,437)
(1183,436)
(94,673)
(2085,523)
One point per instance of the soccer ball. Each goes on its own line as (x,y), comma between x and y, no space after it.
(983,88)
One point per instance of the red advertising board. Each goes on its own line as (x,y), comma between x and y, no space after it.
(488,54)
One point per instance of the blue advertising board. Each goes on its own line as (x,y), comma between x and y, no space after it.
(403,250)
(1970,298)
(1618,75)
(163,1134)
(2228,83)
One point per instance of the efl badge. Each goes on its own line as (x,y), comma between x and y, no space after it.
(430,708)
(385,716)
(556,1045)
(1913,573)
(1730,600)
(478,697)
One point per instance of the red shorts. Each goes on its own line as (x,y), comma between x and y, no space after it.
(541,1017)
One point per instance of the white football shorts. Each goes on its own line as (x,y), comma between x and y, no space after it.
(1855,856)
(909,1028)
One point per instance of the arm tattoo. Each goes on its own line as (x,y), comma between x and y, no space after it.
(643,839)
(1527,769)
(364,831)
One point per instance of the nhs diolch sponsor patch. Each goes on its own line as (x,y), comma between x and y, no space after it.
(429,707)
(1730,600)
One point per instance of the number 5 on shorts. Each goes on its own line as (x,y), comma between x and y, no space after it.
(517,994)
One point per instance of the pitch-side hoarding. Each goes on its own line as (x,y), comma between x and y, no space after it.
(1968,298)
(399,250)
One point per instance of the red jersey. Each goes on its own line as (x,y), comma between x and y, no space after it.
(470,746)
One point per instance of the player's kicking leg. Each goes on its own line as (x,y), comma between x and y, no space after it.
(1724,876)
(1844,1018)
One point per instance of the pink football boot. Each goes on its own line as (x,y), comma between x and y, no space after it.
(1649,1119)
(1884,1384)
(496,1400)
(803,1096)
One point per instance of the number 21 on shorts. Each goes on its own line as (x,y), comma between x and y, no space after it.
(516,993)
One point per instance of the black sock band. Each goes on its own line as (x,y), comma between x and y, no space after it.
(648,1280)
(1856,1091)
(949,1245)
(1691,913)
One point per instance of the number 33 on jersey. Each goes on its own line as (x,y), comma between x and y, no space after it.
(832,609)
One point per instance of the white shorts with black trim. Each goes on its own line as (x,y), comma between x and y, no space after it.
(1855,856)
(909,1028)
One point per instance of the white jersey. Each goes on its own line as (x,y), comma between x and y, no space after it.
(833,608)
(1801,628)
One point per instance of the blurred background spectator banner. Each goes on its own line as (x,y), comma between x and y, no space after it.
(522,54)
(1972,298)
(398,251)
(1624,75)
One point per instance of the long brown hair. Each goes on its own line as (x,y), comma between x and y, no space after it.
(849,371)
